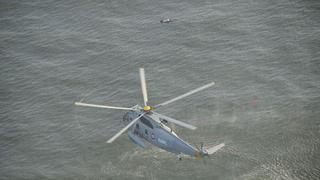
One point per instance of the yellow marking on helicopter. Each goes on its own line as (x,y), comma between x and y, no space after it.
(146,108)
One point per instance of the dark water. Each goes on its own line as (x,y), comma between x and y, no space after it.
(265,106)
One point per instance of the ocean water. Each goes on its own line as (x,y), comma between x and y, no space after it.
(265,106)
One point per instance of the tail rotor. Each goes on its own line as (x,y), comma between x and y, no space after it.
(206,152)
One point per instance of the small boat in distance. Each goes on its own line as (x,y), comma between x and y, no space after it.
(165,20)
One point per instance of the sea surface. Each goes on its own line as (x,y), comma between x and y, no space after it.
(264,57)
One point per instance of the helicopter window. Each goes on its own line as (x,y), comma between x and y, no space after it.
(146,122)
(164,121)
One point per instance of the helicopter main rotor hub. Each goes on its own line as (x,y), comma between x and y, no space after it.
(147,108)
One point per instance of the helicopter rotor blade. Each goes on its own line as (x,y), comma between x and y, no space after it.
(177,122)
(143,86)
(101,106)
(124,129)
(185,95)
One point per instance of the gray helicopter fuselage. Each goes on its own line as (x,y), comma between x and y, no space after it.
(152,129)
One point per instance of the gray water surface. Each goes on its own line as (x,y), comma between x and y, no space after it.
(265,106)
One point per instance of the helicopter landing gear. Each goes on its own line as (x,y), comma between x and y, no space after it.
(179,157)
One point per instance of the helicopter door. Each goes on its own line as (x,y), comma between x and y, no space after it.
(147,126)
(136,129)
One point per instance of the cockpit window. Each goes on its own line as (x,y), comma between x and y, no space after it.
(146,122)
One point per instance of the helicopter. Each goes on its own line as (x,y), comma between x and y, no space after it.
(146,125)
